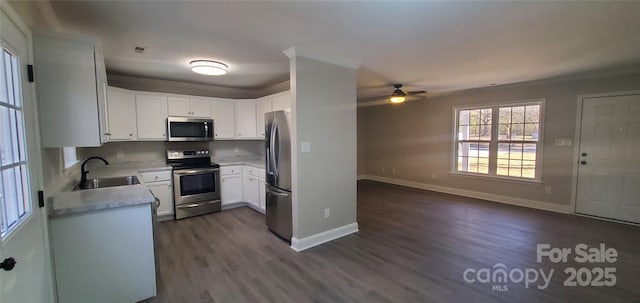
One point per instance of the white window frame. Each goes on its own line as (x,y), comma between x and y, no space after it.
(70,157)
(8,231)
(493,145)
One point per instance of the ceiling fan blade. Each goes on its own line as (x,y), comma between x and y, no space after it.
(417,92)
(384,97)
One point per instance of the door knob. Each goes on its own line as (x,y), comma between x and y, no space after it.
(8,264)
(583,162)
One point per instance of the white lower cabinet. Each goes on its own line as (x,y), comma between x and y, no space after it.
(164,192)
(231,184)
(251,190)
(243,183)
(262,199)
(105,255)
(161,186)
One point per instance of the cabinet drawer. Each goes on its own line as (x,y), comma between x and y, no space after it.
(230,170)
(156,176)
(250,170)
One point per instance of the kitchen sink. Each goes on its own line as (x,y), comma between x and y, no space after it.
(109,182)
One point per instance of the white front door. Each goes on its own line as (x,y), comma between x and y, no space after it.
(23,229)
(609,160)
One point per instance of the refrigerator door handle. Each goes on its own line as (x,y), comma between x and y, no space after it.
(278,194)
(273,150)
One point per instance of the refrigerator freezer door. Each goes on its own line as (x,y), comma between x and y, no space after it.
(279,212)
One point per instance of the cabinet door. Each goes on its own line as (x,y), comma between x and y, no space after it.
(223,114)
(281,101)
(231,187)
(164,192)
(179,106)
(251,190)
(101,78)
(151,114)
(121,108)
(200,108)
(245,119)
(65,71)
(260,118)
(262,192)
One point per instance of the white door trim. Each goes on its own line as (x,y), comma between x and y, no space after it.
(32,127)
(577,136)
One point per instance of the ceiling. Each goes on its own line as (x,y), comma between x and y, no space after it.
(435,46)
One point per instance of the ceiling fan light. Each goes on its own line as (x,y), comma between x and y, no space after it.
(397,99)
(208,67)
(398,96)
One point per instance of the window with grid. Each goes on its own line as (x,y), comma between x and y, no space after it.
(499,141)
(15,200)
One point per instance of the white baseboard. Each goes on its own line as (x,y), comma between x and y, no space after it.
(566,209)
(234,205)
(323,237)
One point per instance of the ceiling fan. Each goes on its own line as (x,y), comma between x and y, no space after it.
(398,95)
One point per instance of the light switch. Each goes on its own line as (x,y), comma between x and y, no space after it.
(305,147)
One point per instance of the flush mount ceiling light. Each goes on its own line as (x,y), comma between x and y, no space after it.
(208,67)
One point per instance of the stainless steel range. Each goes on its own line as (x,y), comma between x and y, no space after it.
(196,183)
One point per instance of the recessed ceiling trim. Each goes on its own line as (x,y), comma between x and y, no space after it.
(316,55)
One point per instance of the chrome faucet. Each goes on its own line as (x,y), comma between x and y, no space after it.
(83,179)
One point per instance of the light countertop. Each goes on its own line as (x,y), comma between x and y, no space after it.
(255,162)
(68,202)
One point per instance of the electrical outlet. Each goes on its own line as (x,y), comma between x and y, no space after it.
(547,190)
(382,169)
(434,176)
(327,213)
(120,154)
(393,171)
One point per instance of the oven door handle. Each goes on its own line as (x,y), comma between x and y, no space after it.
(192,205)
(195,171)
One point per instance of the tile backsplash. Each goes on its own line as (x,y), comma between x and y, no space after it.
(156,151)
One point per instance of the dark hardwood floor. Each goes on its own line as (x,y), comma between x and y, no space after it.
(413,246)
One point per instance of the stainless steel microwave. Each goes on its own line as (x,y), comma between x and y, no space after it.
(189,129)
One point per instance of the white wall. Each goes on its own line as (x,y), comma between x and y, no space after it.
(324,114)
(415,138)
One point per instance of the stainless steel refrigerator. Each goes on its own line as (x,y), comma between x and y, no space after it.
(278,169)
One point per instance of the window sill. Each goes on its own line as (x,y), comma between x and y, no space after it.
(69,167)
(497,178)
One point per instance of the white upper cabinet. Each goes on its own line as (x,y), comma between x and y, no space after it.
(223,115)
(188,107)
(200,108)
(245,112)
(263,106)
(179,106)
(121,105)
(70,80)
(151,117)
(281,101)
